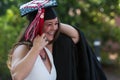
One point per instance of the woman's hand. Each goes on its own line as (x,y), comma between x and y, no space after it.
(40,42)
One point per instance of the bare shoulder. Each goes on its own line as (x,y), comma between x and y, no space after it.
(19,52)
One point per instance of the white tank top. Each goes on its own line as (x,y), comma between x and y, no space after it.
(39,70)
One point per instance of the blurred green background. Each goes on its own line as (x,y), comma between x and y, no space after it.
(98,19)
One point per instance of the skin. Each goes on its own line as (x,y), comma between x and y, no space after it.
(24,59)
(50,27)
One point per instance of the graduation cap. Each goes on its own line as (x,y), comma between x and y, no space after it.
(50,13)
(35,5)
(43,7)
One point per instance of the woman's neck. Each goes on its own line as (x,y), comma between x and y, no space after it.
(50,47)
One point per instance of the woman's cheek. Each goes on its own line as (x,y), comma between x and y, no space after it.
(47,29)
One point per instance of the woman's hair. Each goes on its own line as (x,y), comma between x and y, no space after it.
(22,40)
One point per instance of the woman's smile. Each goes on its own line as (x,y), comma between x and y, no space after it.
(50,28)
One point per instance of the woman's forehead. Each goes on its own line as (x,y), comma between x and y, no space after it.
(52,20)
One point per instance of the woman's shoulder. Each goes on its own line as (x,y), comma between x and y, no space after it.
(22,47)
(20,50)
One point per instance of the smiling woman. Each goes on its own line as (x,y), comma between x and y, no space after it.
(40,52)
(50,50)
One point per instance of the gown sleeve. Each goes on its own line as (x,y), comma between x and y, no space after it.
(76,61)
(91,68)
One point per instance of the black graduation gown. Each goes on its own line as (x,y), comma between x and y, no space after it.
(76,61)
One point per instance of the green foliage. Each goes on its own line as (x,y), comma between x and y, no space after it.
(10,26)
(93,17)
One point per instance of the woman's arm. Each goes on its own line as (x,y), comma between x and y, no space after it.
(22,62)
(70,31)
(24,59)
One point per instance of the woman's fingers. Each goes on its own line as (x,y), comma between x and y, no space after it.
(44,37)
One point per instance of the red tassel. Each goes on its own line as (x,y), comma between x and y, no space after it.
(36,26)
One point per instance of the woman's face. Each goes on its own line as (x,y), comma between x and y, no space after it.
(50,28)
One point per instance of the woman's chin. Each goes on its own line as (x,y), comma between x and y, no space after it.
(50,38)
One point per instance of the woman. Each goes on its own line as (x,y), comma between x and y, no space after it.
(36,62)
(53,51)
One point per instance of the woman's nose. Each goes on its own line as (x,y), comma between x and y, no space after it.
(54,27)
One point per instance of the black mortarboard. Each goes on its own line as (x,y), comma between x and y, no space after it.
(50,13)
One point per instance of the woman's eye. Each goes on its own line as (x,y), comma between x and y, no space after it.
(56,23)
(49,24)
